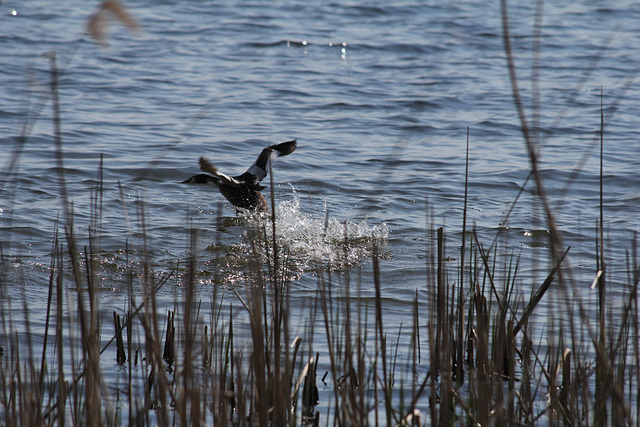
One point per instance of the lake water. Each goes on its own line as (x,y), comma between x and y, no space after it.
(379,96)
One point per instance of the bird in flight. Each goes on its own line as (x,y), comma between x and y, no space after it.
(243,191)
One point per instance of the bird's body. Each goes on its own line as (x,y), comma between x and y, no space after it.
(243,191)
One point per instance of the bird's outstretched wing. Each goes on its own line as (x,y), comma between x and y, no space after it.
(266,158)
(213,175)
(202,178)
(252,177)
(224,178)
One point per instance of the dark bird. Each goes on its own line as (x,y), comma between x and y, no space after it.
(243,191)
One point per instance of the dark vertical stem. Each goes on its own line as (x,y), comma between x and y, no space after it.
(57,134)
(514,78)
(382,344)
(61,403)
(441,327)
(460,329)
(48,317)
(535,73)
(529,141)
(278,416)
(464,213)
(417,328)
(602,371)
(601,179)
(601,265)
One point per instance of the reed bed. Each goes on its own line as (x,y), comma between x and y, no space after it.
(473,354)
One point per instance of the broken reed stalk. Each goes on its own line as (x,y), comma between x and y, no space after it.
(168,354)
(310,396)
(121,357)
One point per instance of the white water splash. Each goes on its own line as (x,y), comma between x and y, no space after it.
(326,241)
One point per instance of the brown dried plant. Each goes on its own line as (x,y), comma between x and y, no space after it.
(109,10)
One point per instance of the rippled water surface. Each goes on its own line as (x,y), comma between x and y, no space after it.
(379,96)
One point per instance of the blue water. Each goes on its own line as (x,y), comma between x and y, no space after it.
(379,96)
